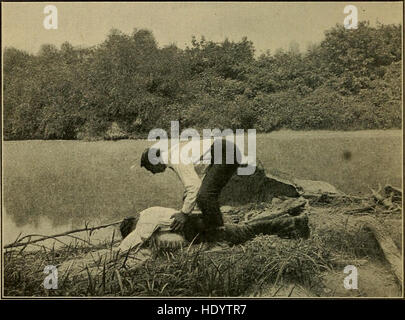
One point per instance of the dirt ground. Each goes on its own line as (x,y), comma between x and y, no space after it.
(374,280)
(375,277)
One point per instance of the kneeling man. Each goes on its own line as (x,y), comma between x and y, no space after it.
(221,167)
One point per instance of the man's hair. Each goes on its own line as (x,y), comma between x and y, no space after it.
(128,225)
(145,162)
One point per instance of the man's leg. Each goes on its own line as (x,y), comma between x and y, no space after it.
(216,178)
(285,227)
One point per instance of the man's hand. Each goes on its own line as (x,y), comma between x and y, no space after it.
(179,221)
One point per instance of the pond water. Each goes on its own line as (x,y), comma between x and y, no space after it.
(54,186)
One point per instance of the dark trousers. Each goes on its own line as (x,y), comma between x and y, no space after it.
(216,177)
(286,226)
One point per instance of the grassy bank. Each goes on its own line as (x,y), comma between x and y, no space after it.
(201,270)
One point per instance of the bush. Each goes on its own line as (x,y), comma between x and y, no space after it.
(351,80)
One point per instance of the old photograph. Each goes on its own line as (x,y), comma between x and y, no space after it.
(202,149)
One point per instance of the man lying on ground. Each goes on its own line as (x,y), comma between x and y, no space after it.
(157,221)
(153,226)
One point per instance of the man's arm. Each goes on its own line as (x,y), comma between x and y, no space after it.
(191,182)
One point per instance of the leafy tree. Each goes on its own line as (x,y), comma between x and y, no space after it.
(128,84)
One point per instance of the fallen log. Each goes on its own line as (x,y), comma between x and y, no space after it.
(391,253)
(292,207)
(361,210)
(314,189)
(258,187)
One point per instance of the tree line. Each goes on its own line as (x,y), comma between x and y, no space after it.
(128,85)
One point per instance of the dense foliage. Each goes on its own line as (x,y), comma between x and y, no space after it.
(128,85)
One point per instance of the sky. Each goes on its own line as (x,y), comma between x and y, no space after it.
(269,26)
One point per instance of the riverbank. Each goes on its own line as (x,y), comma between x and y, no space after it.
(265,266)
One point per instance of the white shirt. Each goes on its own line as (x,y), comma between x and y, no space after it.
(150,221)
(183,158)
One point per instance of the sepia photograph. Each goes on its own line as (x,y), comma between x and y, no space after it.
(202,150)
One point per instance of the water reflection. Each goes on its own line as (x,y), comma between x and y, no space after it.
(43,226)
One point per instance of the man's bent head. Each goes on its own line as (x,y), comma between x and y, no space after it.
(153,165)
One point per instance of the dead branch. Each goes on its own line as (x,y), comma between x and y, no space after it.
(360,210)
(388,189)
(386,202)
(18,243)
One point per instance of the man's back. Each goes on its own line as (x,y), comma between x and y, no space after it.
(149,221)
(189,161)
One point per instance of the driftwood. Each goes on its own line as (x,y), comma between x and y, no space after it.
(258,187)
(390,198)
(395,192)
(385,200)
(262,186)
(292,207)
(18,242)
(361,210)
(387,245)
